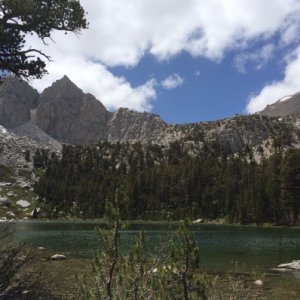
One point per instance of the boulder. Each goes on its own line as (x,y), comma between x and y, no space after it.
(258,282)
(58,257)
(198,221)
(5,201)
(11,214)
(23,203)
(288,267)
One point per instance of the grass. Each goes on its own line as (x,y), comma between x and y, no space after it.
(6,174)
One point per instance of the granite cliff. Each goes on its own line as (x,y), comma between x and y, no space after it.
(17,98)
(71,116)
(64,113)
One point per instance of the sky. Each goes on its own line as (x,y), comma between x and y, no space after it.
(187,61)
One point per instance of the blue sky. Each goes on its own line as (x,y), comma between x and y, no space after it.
(187,61)
(210,90)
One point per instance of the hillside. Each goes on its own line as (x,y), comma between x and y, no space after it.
(222,169)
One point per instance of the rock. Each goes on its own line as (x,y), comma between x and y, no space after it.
(69,115)
(23,203)
(288,267)
(3,219)
(128,125)
(10,213)
(17,97)
(41,248)
(5,201)
(58,257)
(10,194)
(4,184)
(24,185)
(198,221)
(25,292)
(259,282)
(283,107)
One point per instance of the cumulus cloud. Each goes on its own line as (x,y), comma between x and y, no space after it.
(173,81)
(278,89)
(122,32)
(112,91)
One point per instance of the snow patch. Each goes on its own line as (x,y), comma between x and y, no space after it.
(285,98)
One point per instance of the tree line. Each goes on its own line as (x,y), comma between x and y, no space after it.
(167,183)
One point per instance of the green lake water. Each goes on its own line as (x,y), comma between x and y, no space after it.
(220,246)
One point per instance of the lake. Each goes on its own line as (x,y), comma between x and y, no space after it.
(220,246)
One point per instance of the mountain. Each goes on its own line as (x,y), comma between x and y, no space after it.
(64,113)
(71,116)
(173,160)
(17,98)
(285,106)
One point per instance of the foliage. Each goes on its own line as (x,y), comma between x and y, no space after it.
(6,173)
(138,274)
(18,18)
(169,184)
(12,257)
(236,284)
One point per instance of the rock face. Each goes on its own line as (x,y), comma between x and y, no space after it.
(128,125)
(17,98)
(64,113)
(284,107)
(68,115)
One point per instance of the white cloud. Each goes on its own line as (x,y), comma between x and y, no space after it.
(122,32)
(114,92)
(258,58)
(171,82)
(278,89)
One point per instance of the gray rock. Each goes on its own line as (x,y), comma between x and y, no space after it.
(58,257)
(69,115)
(288,267)
(23,203)
(17,97)
(128,125)
(258,282)
(5,201)
(10,213)
(198,221)
(283,107)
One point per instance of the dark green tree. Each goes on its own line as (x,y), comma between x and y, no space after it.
(19,18)
(290,186)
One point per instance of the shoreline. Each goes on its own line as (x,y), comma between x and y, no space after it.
(154,223)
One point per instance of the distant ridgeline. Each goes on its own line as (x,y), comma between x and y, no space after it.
(167,183)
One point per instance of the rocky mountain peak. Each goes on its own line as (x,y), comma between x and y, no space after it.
(69,115)
(17,98)
(285,106)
